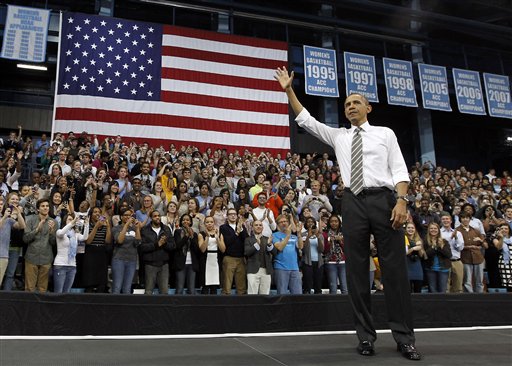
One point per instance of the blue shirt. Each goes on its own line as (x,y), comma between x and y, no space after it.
(286,259)
(5,237)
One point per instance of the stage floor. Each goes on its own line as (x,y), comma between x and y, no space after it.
(447,347)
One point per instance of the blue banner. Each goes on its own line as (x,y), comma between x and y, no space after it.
(25,33)
(360,75)
(497,88)
(320,72)
(468,90)
(399,82)
(434,87)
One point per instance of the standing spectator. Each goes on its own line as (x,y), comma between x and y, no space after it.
(127,239)
(264,214)
(315,201)
(312,259)
(10,217)
(186,256)
(233,263)
(273,202)
(65,168)
(157,244)
(213,246)
(456,241)
(437,261)
(64,265)
(40,238)
(97,245)
(415,254)
(286,261)
(147,180)
(335,255)
(503,241)
(471,256)
(135,196)
(259,252)
(424,216)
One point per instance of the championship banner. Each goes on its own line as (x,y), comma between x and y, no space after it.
(497,88)
(468,90)
(320,71)
(360,76)
(399,82)
(434,87)
(25,33)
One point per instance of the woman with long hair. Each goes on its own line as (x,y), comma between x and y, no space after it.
(124,259)
(187,255)
(196,217)
(158,196)
(212,245)
(242,199)
(64,264)
(181,198)
(334,251)
(491,222)
(204,198)
(95,262)
(437,263)
(218,211)
(415,254)
(171,218)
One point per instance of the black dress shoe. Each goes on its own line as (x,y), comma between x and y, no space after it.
(409,351)
(365,348)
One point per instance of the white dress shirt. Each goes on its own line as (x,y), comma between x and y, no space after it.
(456,244)
(383,163)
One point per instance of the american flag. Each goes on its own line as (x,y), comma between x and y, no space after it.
(165,84)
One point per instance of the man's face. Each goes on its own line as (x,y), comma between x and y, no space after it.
(446,221)
(262,199)
(145,168)
(425,204)
(137,185)
(155,218)
(267,186)
(257,227)
(356,109)
(44,208)
(232,216)
(508,213)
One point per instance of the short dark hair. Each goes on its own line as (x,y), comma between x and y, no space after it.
(41,201)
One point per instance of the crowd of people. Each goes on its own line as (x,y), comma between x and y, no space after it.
(111,216)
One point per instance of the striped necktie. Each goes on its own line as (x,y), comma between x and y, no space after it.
(356,174)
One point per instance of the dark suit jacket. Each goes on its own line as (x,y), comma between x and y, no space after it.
(253,255)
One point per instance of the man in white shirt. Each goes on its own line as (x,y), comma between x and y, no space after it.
(265,215)
(372,168)
(66,169)
(456,241)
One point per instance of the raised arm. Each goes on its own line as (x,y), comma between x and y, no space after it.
(285,81)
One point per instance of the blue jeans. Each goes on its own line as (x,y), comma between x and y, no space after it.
(437,281)
(63,277)
(186,274)
(14,256)
(335,272)
(288,280)
(122,276)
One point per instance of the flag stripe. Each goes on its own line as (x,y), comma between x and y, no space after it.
(173,51)
(217,68)
(137,106)
(222,91)
(168,121)
(220,79)
(225,38)
(220,102)
(187,135)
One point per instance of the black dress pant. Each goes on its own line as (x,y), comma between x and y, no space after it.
(365,214)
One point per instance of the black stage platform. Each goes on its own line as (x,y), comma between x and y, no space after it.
(454,348)
(94,314)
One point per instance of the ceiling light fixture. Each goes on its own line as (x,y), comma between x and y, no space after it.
(32,67)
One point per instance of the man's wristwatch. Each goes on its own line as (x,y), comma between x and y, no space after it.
(403,198)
